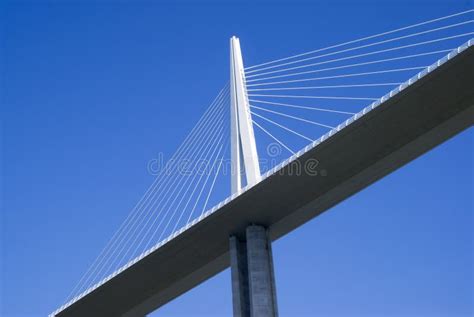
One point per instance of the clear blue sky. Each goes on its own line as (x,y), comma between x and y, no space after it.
(91,91)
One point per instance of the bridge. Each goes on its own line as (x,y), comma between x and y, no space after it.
(166,247)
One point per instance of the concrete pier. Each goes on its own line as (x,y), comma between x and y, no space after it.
(253,281)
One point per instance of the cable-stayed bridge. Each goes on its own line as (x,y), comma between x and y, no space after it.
(279,144)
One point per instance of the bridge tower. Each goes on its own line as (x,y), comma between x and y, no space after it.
(244,157)
(253,281)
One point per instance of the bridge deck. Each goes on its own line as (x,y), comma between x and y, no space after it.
(403,127)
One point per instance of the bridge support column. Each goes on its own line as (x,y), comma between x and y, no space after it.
(253,281)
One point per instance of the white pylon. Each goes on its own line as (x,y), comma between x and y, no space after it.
(243,151)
